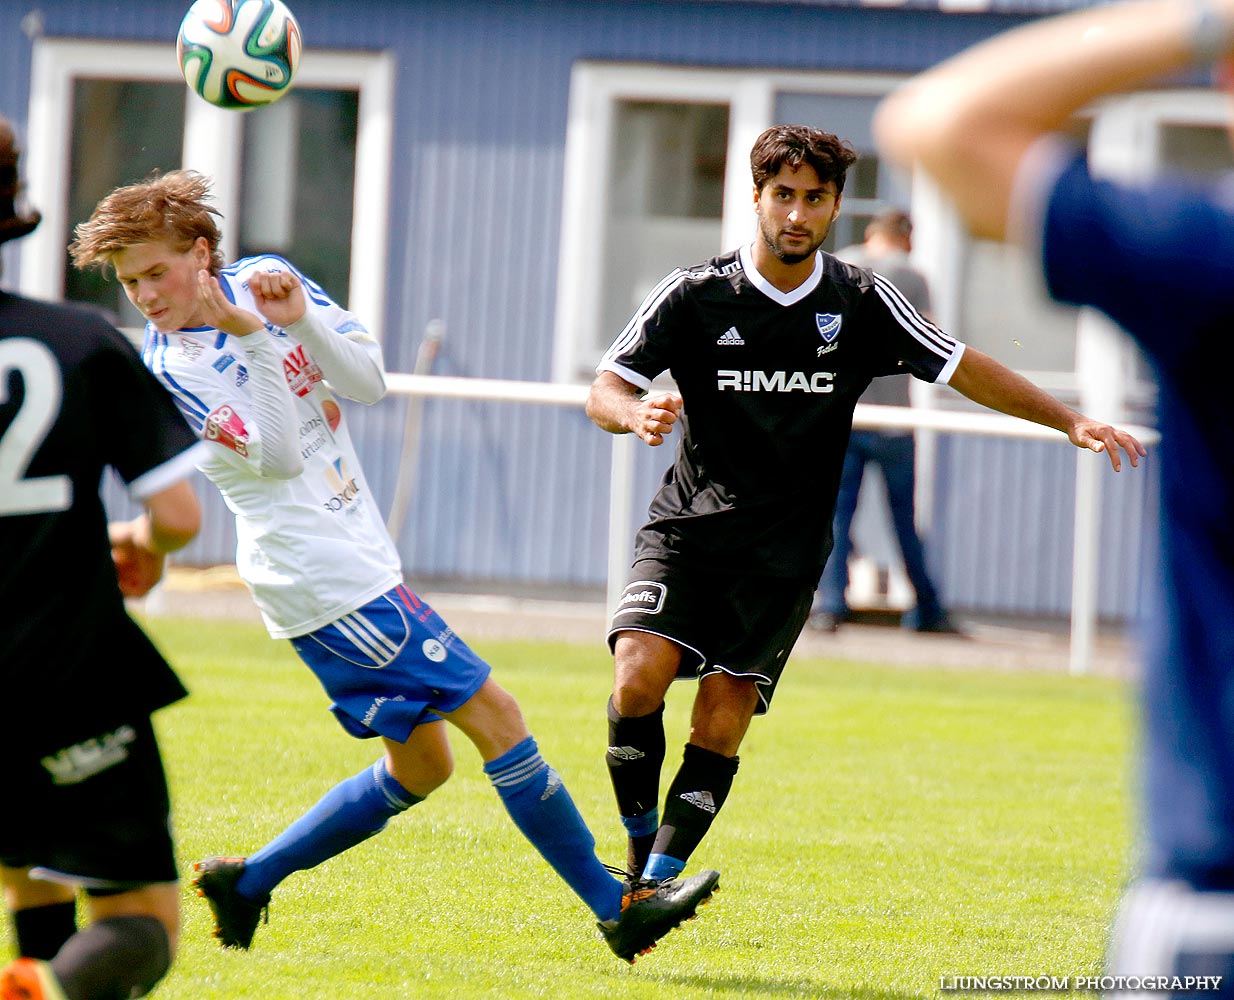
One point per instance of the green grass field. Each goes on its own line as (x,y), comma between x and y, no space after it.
(889,827)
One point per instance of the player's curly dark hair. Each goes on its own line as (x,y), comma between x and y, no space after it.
(793,145)
(170,207)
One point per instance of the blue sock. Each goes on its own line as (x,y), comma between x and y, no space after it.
(642,826)
(661,866)
(351,812)
(542,809)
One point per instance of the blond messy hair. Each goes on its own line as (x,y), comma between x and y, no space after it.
(169,208)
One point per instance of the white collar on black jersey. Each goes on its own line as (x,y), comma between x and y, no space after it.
(770,290)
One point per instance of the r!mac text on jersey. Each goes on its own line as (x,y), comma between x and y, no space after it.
(752,381)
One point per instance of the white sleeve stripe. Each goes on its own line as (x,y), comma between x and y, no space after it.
(944,377)
(650,304)
(628,374)
(912,321)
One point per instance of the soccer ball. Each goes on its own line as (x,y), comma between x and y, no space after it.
(239,54)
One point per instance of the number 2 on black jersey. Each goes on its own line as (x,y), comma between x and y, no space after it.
(40,375)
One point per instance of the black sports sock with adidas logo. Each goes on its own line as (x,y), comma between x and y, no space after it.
(694,799)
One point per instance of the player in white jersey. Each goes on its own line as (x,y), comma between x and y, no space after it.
(254,354)
(339,542)
(771,346)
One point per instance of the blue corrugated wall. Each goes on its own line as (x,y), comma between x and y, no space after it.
(515,492)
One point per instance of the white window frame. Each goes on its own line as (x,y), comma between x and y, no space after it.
(596,88)
(211,146)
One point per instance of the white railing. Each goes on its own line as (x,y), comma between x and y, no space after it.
(621,499)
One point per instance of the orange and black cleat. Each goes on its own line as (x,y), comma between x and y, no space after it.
(650,909)
(235,917)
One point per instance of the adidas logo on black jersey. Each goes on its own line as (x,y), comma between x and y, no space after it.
(730,338)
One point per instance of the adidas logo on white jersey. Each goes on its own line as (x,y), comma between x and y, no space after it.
(701,800)
(730,338)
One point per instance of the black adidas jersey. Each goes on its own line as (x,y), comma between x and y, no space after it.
(769,380)
(74,399)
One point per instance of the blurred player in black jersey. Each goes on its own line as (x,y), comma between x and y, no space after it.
(85,801)
(770,347)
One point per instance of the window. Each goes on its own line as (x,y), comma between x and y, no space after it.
(666,198)
(1003,312)
(298,213)
(288,178)
(657,176)
(871,185)
(145,125)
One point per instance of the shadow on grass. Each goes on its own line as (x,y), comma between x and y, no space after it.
(798,987)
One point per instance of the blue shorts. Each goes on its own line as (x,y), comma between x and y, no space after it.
(390,664)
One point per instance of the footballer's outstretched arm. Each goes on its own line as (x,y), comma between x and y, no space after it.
(984,380)
(969,121)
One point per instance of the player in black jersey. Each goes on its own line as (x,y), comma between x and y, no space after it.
(81,779)
(770,347)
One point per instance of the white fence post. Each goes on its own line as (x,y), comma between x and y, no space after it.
(1084,566)
(620,516)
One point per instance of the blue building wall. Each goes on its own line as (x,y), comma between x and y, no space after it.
(520,493)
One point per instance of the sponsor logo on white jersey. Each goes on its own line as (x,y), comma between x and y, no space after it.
(223,424)
(626,753)
(346,489)
(730,338)
(643,596)
(700,800)
(752,381)
(301,371)
(84,760)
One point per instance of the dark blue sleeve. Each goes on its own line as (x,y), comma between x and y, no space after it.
(1156,258)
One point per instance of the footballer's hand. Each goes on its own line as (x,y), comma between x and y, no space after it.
(1099,437)
(217,310)
(138,566)
(654,417)
(279,296)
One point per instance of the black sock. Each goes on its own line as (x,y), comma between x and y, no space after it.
(694,799)
(42,930)
(634,757)
(113,959)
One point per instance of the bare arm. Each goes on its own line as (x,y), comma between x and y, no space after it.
(985,381)
(616,406)
(969,121)
(174,516)
(172,519)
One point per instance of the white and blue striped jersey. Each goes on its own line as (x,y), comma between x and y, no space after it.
(769,380)
(311,543)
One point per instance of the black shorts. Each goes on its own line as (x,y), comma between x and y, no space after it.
(95,814)
(736,623)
